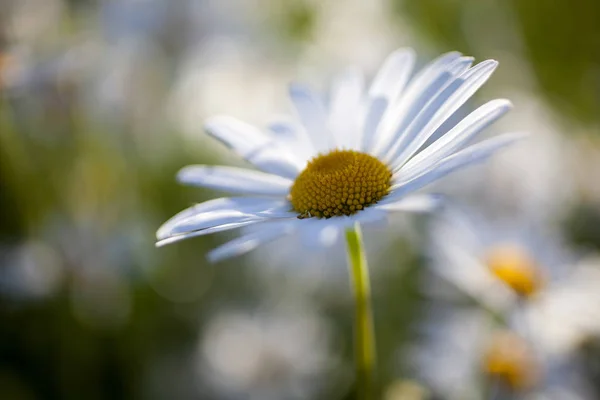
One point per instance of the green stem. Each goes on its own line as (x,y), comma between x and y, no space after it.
(364,339)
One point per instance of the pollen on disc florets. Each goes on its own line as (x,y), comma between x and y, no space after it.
(341,182)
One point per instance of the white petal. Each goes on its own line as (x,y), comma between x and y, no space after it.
(430,73)
(241,137)
(415,101)
(345,113)
(251,241)
(456,138)
(313,116)
(221,228)
(464,269)
(375,112)
(213,219)
(246,205)
(285,130)
(418,203)
(393,75)
(234,180)
(325,232)
(277,160)
(319,233)
(209,220)
(255,146)
(426,84)
(438,110)
(368,216)
(294,137)
(471,155)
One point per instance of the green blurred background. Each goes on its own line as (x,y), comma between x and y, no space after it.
(103,101)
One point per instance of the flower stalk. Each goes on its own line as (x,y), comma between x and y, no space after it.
(364,357)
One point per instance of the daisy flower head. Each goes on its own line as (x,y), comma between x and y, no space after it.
(463,353)
(519,269)
(497,261)
(352,160)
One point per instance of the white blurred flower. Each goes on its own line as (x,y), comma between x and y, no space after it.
(265,355)
(568,314)
(528,282)
(497,261)
(356,161)
(464,354)
(447,355)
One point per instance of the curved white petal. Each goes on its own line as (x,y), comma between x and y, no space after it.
(456,138)
(293,136)
(471,155)
(210,219)
(313,115)
(325,232)
(438,110)
(234,180)
(465,270)
(368,216)
(346,108)
(393,75)
(277,160)
(249,242)
(241,137)
(221,228)
(319,233)
(285,130)
(430,73)
(373,117)
(245,205)
(255,146)
(425,86)
(418,203)
(217,221)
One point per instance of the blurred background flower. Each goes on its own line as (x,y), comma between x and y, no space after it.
(510,309)
(102,102)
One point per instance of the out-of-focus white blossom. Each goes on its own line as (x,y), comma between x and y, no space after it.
(554,315)
(267,354)
(490,259)
(464,354)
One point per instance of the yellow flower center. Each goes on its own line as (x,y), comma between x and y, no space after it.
(340,182)
(510,359)
(513,266)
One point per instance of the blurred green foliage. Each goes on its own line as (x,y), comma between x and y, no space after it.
(294,18)
(559,40)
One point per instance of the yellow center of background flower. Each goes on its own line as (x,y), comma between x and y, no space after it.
(340,182)
(509,359)
(515,268)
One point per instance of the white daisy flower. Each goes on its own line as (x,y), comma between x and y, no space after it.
(464,354)
(355,160)
(496,261)
(513,265)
